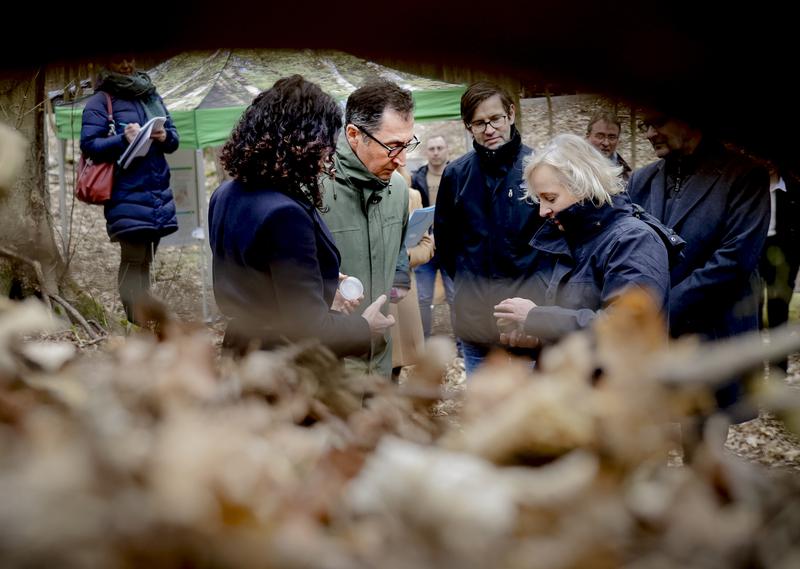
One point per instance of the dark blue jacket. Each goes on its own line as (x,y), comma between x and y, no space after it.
(723,214)
(483,227)
(276,270)
(141,204)
(582,269)
(419,181)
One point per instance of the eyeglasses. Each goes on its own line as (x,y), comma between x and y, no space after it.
(612,138)
(644,125)
(393,150)
(480,126)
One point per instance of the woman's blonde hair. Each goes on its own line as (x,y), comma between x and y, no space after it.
(587,174)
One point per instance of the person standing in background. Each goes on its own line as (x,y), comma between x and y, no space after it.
(718,202)
(427,180)
(142,209)
(781,258)
(408,341)
(603,132)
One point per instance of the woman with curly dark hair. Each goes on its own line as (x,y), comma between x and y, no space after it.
(276,267)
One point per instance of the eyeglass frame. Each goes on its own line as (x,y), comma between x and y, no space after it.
(408,146)
(471,125)
(609,137)
(643,126)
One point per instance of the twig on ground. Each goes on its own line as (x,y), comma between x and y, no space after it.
(75,315)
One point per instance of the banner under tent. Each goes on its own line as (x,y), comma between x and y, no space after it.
(206,93)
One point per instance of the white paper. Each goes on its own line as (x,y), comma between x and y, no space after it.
(418,224)
(141,144)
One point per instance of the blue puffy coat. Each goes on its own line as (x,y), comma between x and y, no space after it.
(578,271)
(141,204)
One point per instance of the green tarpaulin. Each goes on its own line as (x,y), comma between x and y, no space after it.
(206,92)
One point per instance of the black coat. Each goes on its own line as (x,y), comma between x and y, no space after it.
(276,270)
(483,227)
(723,214)
(787,221)
(419,181)
(581,270)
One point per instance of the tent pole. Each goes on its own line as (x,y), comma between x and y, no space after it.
(199,167)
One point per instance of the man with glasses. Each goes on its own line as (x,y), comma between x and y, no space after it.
(483,225)
(603,132)
(718,201)
(367,201)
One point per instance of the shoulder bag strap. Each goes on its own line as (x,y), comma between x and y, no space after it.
(112,130)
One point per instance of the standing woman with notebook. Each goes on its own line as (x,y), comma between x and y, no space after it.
(141,210)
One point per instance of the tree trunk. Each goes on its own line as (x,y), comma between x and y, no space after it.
(27,226)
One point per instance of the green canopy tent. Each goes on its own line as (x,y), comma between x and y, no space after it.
(207,91)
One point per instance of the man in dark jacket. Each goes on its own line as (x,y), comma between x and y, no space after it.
(427,180)
(781,258)
(483,225)
(428,177)
(718,201)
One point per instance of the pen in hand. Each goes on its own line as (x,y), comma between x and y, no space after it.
(131,130)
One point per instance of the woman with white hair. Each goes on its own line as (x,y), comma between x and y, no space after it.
(591,247)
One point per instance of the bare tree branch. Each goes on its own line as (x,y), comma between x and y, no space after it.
(37,268)
(726,359)
(75,315)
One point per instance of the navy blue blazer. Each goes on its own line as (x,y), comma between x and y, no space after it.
(276,270)
(723,214)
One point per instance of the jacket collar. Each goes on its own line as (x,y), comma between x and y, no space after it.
(581,222)
(494,161)
(352,169)
(704,165)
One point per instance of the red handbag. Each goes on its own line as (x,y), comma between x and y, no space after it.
(95,180)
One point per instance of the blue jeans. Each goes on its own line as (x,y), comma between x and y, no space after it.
(474,354)
(426,281)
